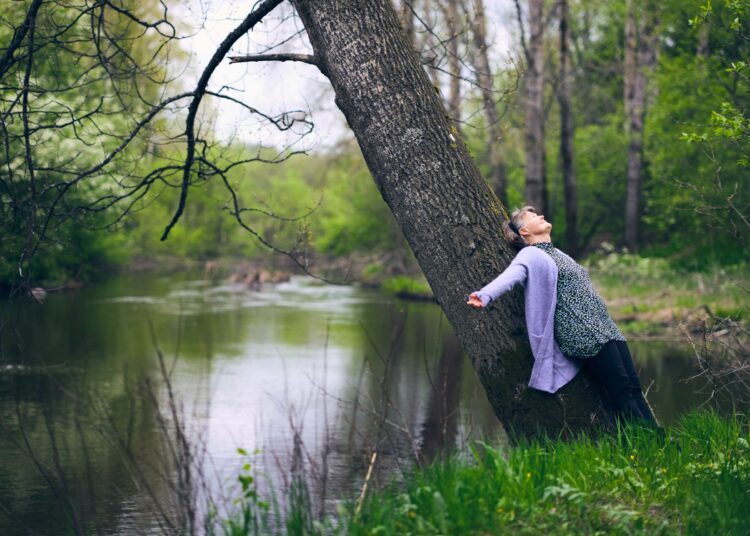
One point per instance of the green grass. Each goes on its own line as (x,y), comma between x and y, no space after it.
(640,292)
(405,286)
(697,481)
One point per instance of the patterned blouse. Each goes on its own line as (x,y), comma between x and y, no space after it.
(582,324)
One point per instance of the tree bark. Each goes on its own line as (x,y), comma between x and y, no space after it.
(567,133)
(449,216)
(536,172)
(497,177)
(640,56)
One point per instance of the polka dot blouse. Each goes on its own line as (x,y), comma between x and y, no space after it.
(582,324)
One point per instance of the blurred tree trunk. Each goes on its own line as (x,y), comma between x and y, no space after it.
(483,72)
(407,19)
(449,216)
(640,57)
(454,63)
(536,173)
(567,133)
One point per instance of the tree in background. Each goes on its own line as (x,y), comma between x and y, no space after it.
(567,135)
(485,82)
(536,160)
(640,58)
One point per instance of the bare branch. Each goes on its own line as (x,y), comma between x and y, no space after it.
(18,36)
(302,58)
(250,21)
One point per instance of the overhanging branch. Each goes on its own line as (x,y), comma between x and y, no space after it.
(235,35)
(302,58)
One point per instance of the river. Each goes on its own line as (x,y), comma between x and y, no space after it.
(87,438)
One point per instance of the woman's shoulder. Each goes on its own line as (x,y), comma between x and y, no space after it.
(531,253)
(534,257)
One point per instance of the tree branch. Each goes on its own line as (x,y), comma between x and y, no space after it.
(303,58)
(18,36)
(235,35)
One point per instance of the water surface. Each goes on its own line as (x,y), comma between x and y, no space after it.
(340,372)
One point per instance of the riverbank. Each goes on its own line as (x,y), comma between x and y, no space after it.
(697,481)
(646,296)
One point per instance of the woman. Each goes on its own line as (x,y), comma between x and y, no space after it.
(568,324)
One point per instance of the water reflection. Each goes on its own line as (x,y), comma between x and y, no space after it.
(344,372)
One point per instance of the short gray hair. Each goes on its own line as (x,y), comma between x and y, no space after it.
(512,227)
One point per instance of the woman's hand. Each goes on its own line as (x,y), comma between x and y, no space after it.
(474,300)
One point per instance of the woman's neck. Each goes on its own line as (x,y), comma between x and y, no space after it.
(538,239)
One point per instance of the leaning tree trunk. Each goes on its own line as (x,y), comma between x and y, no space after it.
(536,166)
(449,216)
(566,137)
(497,176)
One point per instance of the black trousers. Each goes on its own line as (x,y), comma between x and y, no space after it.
(613,369)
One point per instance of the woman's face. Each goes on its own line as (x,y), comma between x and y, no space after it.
(534,225)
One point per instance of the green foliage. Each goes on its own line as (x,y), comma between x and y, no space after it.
(326,203)
(696,482)
(628,268)
(249,514)
(405,285)
(79,108)
(695,201)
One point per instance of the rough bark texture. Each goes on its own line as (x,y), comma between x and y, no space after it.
(566,137)
(449,216)
(640,56)
(497,176)
(536,172)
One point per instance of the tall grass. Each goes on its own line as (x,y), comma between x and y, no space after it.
(696,481)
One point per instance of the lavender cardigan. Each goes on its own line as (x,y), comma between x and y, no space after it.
(537,272)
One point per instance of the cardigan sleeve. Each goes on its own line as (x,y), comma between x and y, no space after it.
(513,275)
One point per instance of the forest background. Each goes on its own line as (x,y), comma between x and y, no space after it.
(688,155)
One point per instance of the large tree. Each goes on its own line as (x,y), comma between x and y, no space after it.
(449,216)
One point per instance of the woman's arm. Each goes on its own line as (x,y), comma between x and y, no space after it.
(512,276)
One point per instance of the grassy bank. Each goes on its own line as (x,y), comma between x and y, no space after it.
(647,296)
(695,482)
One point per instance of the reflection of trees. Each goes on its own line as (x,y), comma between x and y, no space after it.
(405,403)
(440,426)
(84,460)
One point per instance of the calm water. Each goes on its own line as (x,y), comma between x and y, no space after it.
(338,371)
